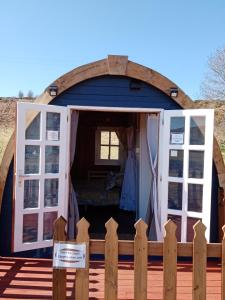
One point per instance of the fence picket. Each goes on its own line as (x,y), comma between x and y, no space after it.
(141,249)
(111,260)
(199,262)
(140,260)
(170,261)
(82,275)
(223,266)
(59,276)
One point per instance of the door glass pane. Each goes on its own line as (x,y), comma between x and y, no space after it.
(196,164)
(31,193)
(177,221)
(30,228)
(197,131)
(32,158)
(49,218)
(190,232)
(195,197)
(52,126)
(175,195)
(114,138)
(51,192)
(177,130)
(33,130)
(104,154)
(176,163)
(51,159)
(114,153)
(104,137)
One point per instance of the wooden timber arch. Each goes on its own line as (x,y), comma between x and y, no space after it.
(112,65)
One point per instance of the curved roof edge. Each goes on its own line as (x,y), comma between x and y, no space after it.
(112,65)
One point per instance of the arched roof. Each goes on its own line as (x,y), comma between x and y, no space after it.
(112,65)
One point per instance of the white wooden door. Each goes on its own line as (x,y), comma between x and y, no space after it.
(186,169)
(40,178)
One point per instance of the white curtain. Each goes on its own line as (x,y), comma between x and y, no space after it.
(153,218)
(73,205)
(129,189)
(122,136)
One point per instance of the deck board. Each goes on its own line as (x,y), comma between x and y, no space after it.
(32,279)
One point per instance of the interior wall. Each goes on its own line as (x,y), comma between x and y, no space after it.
(85,148)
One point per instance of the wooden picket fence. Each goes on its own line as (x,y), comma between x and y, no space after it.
(141,249)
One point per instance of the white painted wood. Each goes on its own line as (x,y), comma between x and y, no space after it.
(20,176)
(114,109)
(207,173)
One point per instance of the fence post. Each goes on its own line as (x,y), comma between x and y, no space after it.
(111,260)
(170,261)
(82,275)
(140,260)
(199,262)
(59,276)
(223,266)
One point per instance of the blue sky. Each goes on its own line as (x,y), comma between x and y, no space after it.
(41,40)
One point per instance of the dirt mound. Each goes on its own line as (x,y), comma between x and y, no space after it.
(8,119)
(219,122)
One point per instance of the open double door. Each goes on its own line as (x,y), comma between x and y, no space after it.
(42,167)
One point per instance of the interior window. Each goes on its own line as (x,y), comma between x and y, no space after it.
(107,147)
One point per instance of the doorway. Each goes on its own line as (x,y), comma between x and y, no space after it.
(98,167)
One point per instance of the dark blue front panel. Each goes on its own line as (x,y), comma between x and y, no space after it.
(115,91)
(6,215)
(214,234)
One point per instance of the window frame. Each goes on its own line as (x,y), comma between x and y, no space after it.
(98,160)
(26,113)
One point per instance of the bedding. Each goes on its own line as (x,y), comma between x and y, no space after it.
(98,191)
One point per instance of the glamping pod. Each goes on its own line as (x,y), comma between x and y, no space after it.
(109,139)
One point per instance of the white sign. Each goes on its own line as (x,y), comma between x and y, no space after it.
(173,153)
(177,138)
(69,255)
(52,135)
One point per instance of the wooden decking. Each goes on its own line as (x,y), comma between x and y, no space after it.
(32,279)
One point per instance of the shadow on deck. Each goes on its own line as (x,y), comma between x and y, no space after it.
(32,279)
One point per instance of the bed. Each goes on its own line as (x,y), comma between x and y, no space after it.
(100,189)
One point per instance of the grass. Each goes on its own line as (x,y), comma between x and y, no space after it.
(223,154)
(222,148)
(5,134)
